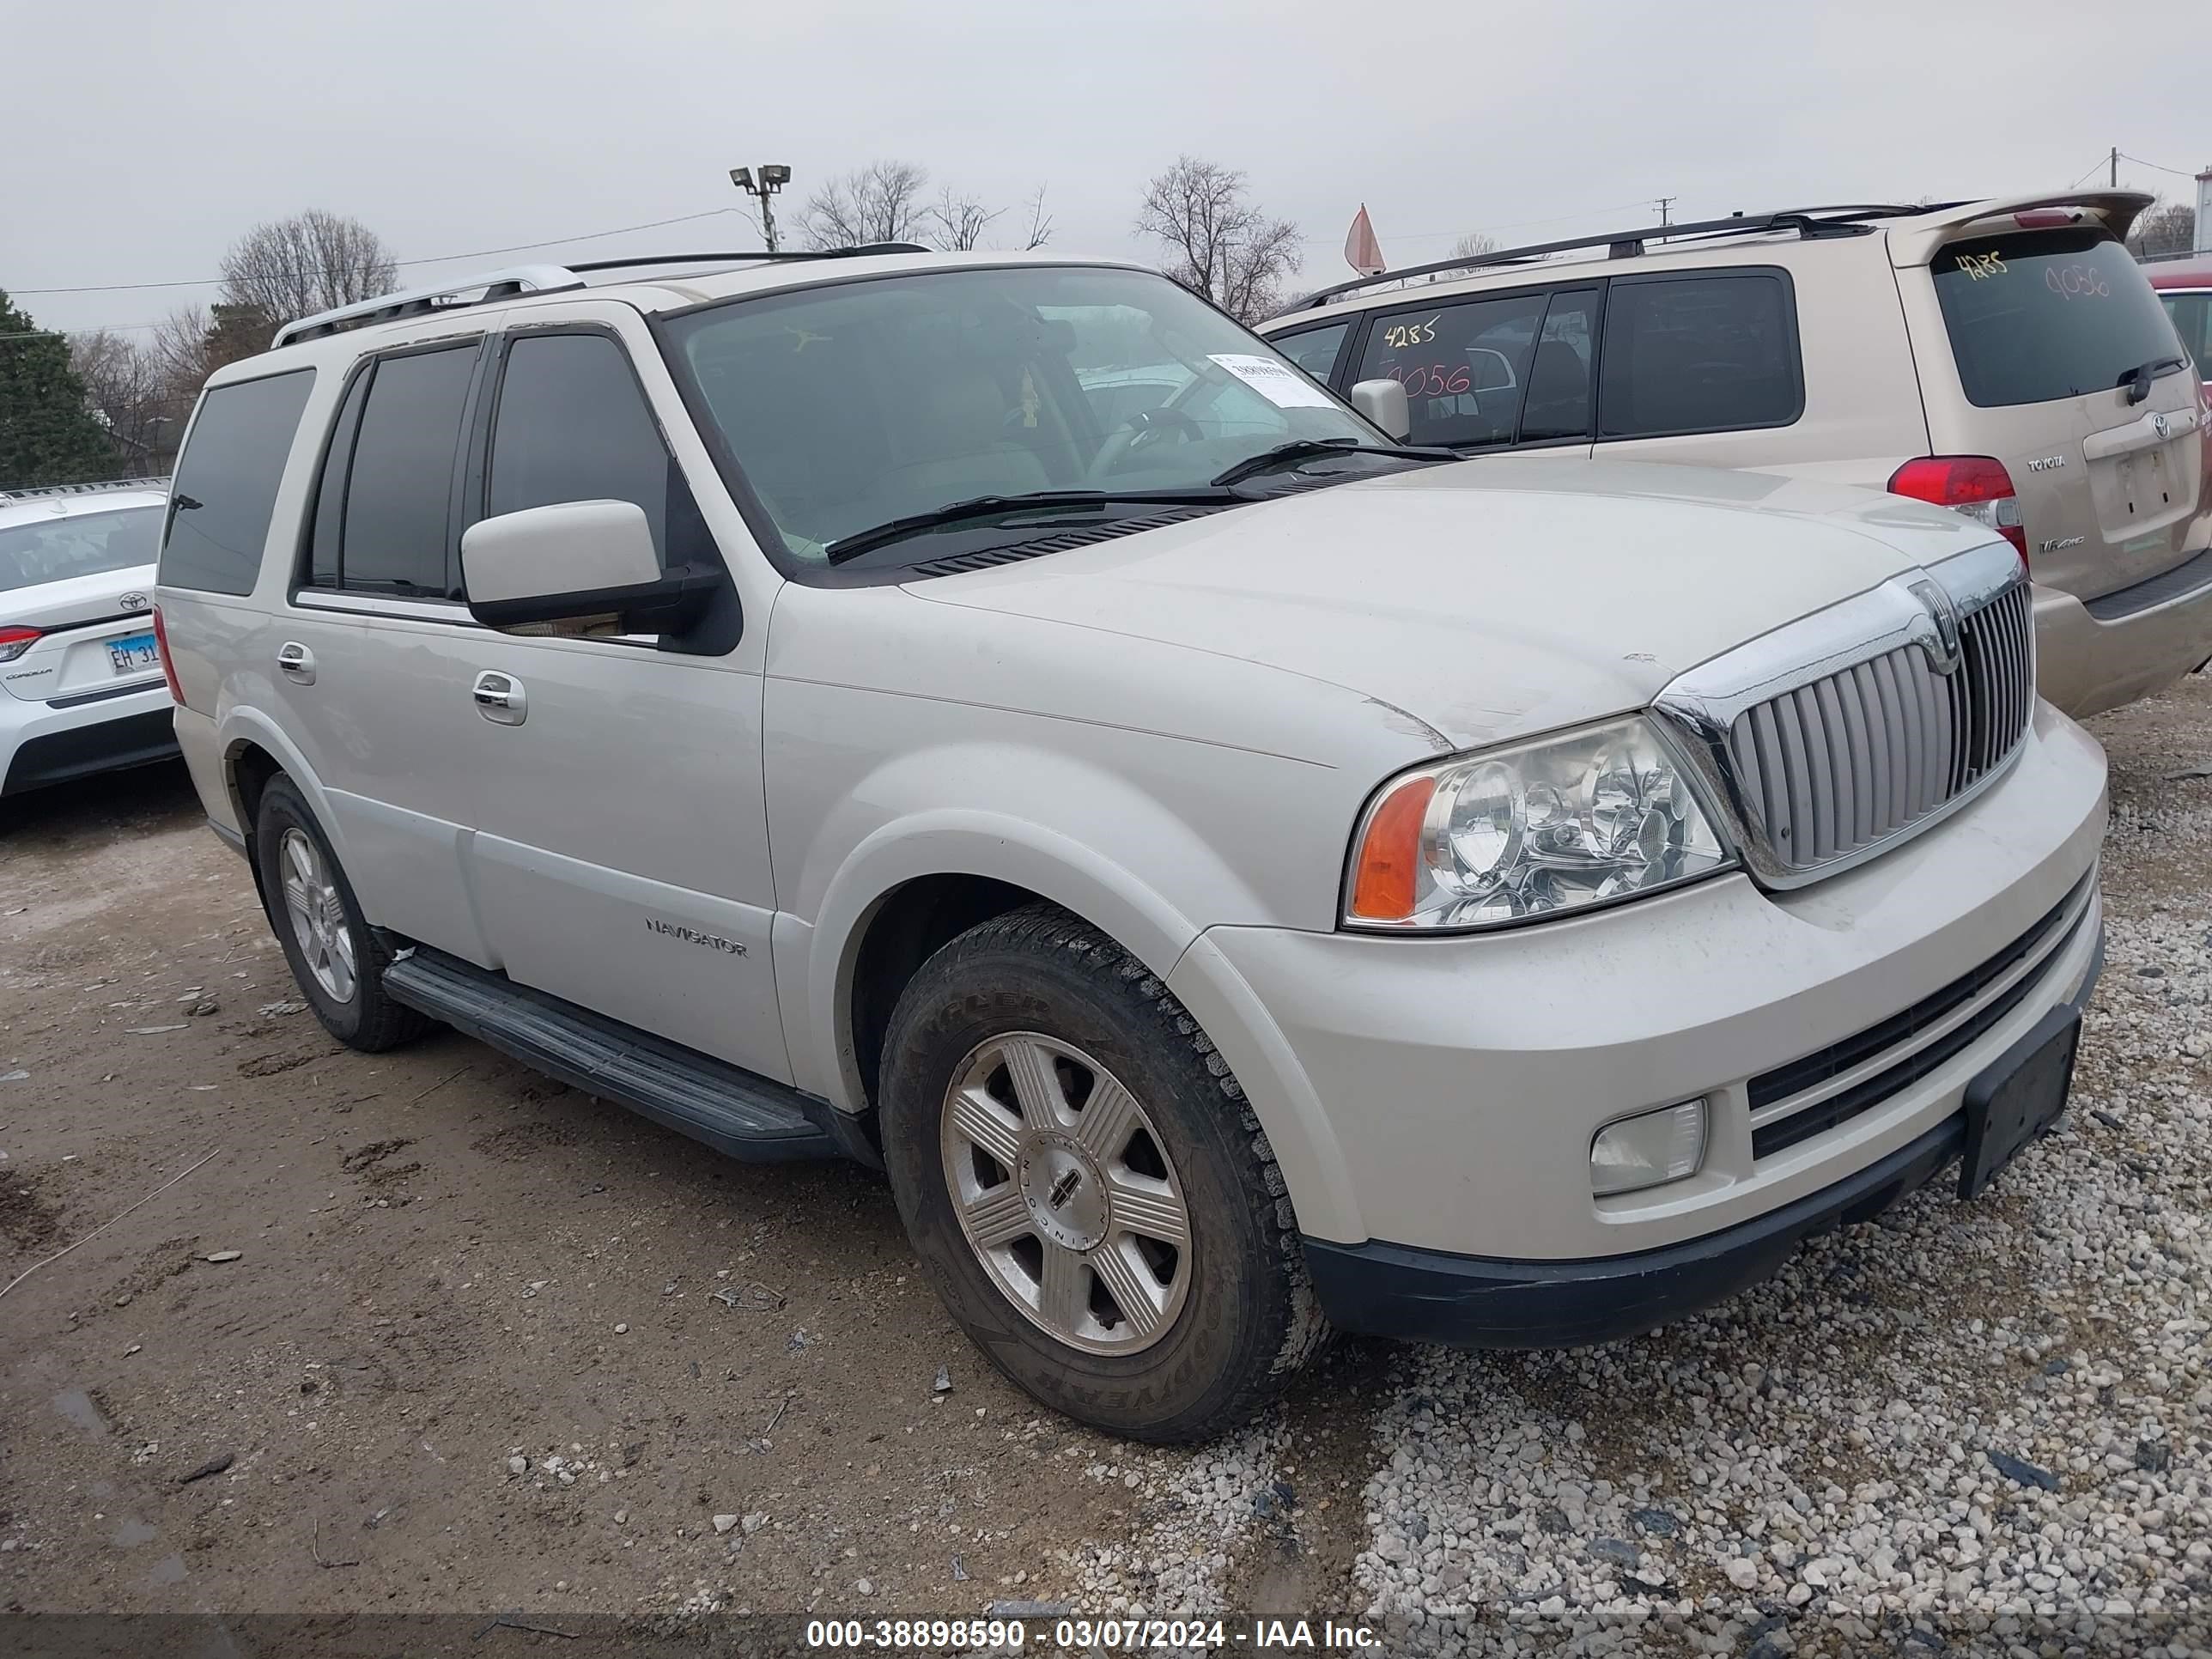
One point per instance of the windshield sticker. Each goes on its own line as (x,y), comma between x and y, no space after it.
(1277,382)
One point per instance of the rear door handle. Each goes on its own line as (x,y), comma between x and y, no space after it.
(297,661)
(500,698)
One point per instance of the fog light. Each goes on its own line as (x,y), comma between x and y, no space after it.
(1649,1150)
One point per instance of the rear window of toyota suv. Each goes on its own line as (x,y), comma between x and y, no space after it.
(2043,314)
(226,485)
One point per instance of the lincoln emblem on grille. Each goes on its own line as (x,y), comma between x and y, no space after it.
(1940,638)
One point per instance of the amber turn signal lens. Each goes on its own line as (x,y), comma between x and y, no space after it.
(1385,879)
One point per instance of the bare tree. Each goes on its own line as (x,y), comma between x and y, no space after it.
(2168,229)
(958,221)
(1473,246)
(142,408)
(878,203)
(1218,241)
(311,262)
(1040,230)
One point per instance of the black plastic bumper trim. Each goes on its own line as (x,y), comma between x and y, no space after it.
(111,746)
(1488,1302)
(2183,580)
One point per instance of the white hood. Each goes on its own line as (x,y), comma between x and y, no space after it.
(1491,597)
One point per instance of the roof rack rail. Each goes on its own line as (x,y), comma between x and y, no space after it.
(40,492)
(385,308)
(1844,219)
(532,279)
(780,257)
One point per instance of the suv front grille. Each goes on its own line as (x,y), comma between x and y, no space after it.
(1857,755)
(1921,1038)
(1830,738)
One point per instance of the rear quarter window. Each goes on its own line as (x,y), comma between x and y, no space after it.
(1710,352)
(2043,314)
(226,483)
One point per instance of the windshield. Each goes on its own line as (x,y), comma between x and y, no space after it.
(81,544)
(853,405)
(2045,314)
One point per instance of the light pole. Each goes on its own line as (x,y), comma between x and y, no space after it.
(768,180)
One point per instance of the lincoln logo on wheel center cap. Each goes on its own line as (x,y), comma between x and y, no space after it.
(1064,1191)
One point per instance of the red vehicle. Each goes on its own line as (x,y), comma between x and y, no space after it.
(2185,287)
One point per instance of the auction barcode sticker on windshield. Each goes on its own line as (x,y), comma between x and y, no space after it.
(1278,383)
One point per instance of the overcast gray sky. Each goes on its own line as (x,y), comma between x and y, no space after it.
(147,135)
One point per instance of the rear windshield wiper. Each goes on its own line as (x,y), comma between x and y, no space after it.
(2138,379)
(986,507)
(1302,449)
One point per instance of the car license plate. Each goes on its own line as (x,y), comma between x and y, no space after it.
(133,653)
(2018,1097)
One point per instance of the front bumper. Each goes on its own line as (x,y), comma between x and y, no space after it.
(1431,1296)
(43,743)
(2108,651)
(1441,1095)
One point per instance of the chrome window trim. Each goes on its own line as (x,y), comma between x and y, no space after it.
(378,604)
(2060,937)
(1702,704)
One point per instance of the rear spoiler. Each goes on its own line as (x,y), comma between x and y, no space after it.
(1914,241)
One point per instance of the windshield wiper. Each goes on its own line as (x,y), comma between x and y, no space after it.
(985,506)
(1304,449)
(2138,379)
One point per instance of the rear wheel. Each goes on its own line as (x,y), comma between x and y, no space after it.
(338,959)
(1086,1186)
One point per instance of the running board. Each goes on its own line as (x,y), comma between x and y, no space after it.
(734,1111)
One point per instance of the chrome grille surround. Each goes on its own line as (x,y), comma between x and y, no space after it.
(1837,736)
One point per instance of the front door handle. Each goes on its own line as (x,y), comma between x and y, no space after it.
(297,661)
(500,698)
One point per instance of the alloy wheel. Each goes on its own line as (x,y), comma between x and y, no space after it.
(1064,1191)
(318,915)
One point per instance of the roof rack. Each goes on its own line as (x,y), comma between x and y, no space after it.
(1842,219)
(531,279)
(43,492)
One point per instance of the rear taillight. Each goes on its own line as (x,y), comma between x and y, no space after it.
(162,648)
(14,641)
(2045,218)
(1976,485)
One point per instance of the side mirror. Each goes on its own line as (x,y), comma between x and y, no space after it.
(588,564)
(1383,403)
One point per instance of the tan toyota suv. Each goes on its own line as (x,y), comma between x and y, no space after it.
(2003,357)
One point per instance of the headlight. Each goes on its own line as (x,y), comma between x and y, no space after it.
(1585,819)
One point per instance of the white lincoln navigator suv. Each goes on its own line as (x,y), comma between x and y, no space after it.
(991,717)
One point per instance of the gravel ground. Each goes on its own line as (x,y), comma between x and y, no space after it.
(1967,1428)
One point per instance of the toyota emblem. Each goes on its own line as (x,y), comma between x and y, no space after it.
(133,602)
(2160,425)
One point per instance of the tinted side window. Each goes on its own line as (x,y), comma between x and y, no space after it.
(574,426)
(330,486)
(1313,350)
(1558,406)
(1463,366)
(1700,354)
(398,534)
(226,479)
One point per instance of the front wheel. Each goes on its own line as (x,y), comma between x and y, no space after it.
(1087,1187)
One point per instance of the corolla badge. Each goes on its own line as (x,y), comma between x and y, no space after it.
(132,602)
(1941,638)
